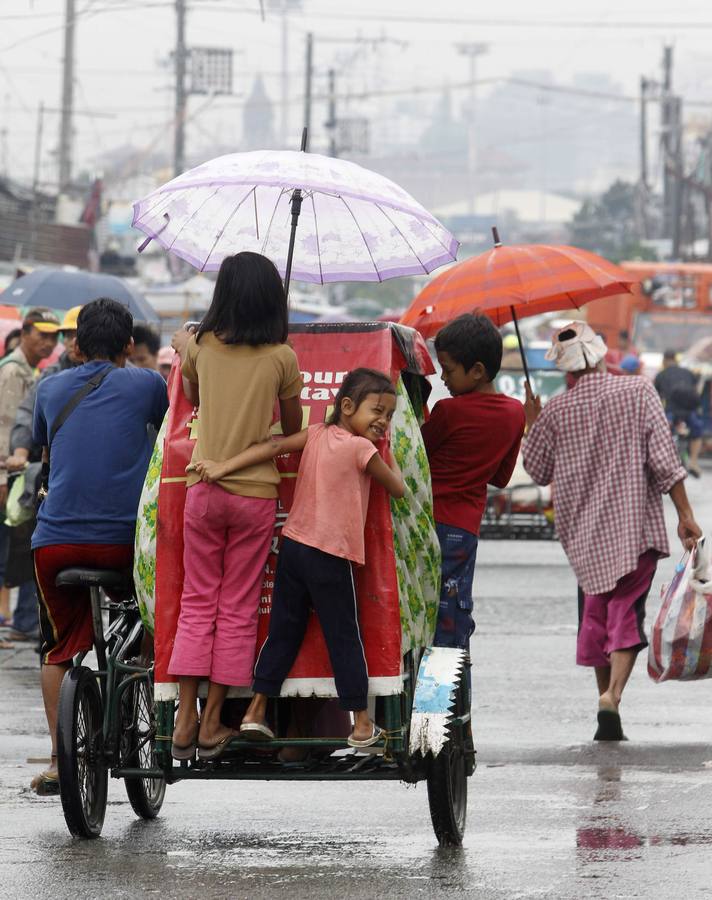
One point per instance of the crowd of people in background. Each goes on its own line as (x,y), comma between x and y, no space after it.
(21,371)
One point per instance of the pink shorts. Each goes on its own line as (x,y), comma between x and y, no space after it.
(614,620)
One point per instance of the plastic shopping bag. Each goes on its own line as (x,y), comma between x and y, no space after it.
(681,641)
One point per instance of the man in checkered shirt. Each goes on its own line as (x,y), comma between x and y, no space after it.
(606,447)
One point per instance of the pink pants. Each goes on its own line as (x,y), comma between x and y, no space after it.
(614,620)
(226,542)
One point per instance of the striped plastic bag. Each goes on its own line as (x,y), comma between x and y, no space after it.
(681,641)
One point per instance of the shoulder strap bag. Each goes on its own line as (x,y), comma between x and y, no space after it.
(62,417)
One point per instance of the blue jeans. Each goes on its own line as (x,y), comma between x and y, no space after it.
(455,621)
(26,615)
(4,544)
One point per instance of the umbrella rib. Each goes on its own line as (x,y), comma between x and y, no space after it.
(316,232)
(271,219)
(191,217)
(378,206)
(222,230)
(167,197)
(426,225)
(358,227)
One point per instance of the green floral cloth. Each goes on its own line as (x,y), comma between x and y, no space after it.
(415,540)
(145,543)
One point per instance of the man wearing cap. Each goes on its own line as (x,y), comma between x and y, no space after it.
(39,335)
(606,447)
(21,446)
(23,452)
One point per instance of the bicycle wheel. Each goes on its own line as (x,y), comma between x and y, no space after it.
(83,777)
(447,782)
(138,749)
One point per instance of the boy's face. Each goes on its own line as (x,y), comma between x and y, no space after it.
(455,378)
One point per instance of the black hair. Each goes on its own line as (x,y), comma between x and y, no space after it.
(624,335)
(668,354)
(144,334)
(10,336)
(249,304)
(104,328)
(472,338)
(357,385)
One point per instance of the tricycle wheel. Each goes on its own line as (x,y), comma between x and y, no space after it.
(447,781)
(138,748)
(83,777)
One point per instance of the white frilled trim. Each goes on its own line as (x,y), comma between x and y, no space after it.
(293,687)
(438,676)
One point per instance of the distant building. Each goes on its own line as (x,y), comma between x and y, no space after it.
(29,233)
(258,119)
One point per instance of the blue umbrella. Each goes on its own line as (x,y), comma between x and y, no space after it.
(59,289)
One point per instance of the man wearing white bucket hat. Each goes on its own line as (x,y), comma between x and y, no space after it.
(606,447)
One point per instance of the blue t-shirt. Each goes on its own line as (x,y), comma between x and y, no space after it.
(99,455)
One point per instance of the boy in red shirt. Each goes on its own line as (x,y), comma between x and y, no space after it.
(472,440)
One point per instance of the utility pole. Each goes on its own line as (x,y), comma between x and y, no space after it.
(666,104)
(331,121)
(642,198)
(38,151)
(308,77)
(284,111)
(65,128)
(644,133)
(181,97)
(472,51)
(677,199)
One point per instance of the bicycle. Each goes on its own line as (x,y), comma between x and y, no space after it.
(106,717)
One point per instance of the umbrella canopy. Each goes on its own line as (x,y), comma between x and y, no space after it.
(354,225)
(521,280)
(59,289)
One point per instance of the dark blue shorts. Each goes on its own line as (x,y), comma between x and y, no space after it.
(455,621)
(694,422)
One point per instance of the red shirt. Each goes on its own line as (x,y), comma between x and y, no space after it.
(472,440)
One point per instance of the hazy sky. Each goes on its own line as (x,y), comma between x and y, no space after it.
(123,70)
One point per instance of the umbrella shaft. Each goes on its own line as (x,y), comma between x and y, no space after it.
(521,346)
(296,209)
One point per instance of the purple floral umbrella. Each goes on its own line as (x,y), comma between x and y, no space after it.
(354,225)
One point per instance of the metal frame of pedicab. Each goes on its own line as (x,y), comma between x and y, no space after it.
(108,723)
(427,731)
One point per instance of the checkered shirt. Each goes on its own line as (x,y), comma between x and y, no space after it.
(606,447)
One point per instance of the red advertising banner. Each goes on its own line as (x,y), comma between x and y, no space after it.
(326,354)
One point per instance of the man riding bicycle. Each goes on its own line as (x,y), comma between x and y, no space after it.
(92,422)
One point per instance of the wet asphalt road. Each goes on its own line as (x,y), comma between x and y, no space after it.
(551,814)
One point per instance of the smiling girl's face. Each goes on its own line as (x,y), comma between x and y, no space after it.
(371,419)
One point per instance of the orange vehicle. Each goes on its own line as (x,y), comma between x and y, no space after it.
(670,309)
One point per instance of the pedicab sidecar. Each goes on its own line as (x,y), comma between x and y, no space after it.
(417,693)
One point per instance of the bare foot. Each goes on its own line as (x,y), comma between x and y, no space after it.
(362,731)
(607,701)
(207,738)
(184,735)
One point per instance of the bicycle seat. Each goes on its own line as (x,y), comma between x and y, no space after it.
(109,579)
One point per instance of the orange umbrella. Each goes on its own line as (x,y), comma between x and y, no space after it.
(521,280)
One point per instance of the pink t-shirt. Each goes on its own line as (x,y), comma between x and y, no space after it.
(331,496)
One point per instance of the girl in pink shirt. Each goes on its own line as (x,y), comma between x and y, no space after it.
(322,539)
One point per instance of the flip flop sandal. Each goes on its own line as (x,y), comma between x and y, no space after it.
(609,726)
(46,784)
(255,731)
(368,742)
(216,750)
(186,751)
